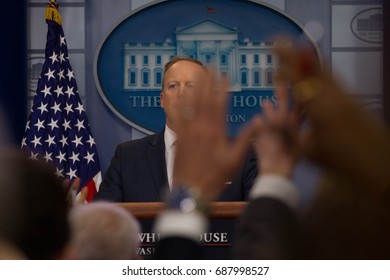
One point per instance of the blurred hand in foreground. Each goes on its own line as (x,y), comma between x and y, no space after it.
(205,156)
(342,137)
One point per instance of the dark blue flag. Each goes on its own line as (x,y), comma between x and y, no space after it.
(58,130)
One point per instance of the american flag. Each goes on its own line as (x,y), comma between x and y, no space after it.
(57,130)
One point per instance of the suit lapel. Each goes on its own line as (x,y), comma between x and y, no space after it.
(157,164)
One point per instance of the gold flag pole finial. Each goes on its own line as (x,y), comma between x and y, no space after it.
(52,12)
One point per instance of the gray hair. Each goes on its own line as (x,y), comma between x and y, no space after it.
(104,231)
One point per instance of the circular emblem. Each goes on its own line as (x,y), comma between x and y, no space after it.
(234,36)
(367,25)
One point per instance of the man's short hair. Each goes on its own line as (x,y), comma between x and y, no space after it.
(176,59)
(104,231)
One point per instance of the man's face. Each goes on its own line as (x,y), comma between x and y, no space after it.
(181,78)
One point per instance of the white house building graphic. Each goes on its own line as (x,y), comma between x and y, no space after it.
(249,65)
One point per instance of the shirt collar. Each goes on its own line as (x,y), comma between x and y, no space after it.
(169,138)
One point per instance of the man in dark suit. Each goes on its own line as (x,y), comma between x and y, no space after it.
(141,170)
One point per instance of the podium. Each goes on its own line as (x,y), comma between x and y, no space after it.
(217,241)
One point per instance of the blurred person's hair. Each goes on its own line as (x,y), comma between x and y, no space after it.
(33,209)
(10,252)
(103,231)
(4,131)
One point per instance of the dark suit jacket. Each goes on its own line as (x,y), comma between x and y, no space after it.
(138,173)
(267,229)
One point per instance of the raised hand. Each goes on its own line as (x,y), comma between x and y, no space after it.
(206,157)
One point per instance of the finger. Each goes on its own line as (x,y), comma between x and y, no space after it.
(282,97)
(296,62)
(65,182)
(241,144)
(76,184)
(82,195)
(222,95)
(68,191)
(207,100)
(66,185)
(288,63)
(268,111)
(188,105)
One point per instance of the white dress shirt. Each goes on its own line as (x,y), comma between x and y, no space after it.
(169,139)
(277,187)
